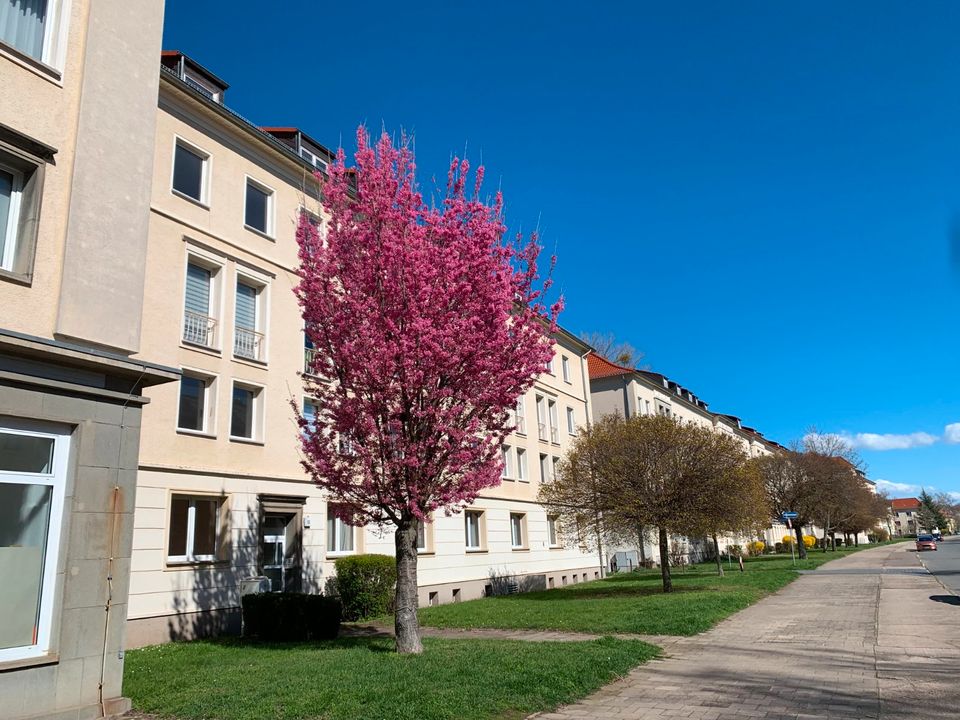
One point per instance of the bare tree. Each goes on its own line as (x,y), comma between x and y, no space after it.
(606,345)
(789,489)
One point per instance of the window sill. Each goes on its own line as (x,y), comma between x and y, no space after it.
(426,553)
(38,67)
(173,566)
(188,198)
(200,348)
(196,433)
(520,549)
(555,547)
(476,551)
(252,362)
(15,277)
(35,661)
(340,553)
(261,233)
(246,441)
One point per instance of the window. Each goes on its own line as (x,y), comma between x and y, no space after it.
(309,353)
(544,468)
(425,537)
(195,413)
(22,168)
(549,366)
(247,338)
(663,409)
(505,456)
(313,159)
(11,184)
(521,465)
(257,210)
(200,303)
(310,415)
(552,531)
(517,534)
(194,529)
(190,171)
(554,467)
(541,417)
(339,533)
(565,365)
(33,465)
(472,521)
(35,28)
(245,412)
(554,422)
(571,422)
(520,415)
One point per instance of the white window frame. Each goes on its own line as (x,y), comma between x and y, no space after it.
(192,499)
(541,417)
(56,479)
(261,284)
(520,416)
(215,266)
(553,535)
(55,35)
(518,523)
(571,421)
(554,420)
(271,207)
(257,421)
(543,460)
(522,465)
(13,219)
(565,366)
(505,456)
(205,172)
(209,403)
(478,514)
(337,551)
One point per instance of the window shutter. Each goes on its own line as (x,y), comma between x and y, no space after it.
(198,290)
(246,307)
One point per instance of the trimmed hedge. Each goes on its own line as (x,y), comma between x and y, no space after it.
(290,616)
(365,584)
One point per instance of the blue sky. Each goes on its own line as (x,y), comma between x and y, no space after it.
(759,196)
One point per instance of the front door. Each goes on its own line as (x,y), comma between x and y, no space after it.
(275,550)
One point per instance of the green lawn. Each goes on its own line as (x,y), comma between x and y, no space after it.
(633,602)
(363,678)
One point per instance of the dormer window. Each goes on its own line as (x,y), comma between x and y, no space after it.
(315,160)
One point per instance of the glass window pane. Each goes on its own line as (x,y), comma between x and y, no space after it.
(177,544)
(191,403)
(24,527)
(188,173)
(205,527)
(6,198)
(246,306)
(22,25)
(331,531)
(256,212)
(346,536)
(241,421)
(422,536)
(26,453)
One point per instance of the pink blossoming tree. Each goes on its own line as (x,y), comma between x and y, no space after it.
(427,326)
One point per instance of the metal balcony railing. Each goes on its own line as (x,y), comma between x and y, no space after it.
(554,434)
(247,343)
(542,430)
(199,329)
(521,424)
(308,355)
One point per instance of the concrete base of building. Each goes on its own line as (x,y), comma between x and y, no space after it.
(184,626)
(111,709)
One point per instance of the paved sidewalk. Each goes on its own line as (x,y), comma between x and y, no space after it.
(861,638)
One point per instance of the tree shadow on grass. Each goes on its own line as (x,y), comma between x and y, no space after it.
(375,644)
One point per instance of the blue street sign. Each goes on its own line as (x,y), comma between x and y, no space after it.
(790,515)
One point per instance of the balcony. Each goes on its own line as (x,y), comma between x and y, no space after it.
(248,344)
(554,435)
(521,425)
(199,329)
(542,430)
(309,354)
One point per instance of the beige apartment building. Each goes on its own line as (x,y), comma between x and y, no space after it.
(221,493)
(78,83)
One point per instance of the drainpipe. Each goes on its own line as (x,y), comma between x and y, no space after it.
(114,519)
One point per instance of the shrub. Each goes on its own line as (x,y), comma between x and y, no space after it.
(789,540)
(756,547)
(878,535)
(290,616)
(809,541)
(779,548)
(366,585)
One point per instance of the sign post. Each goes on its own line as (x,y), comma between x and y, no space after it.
(788,516)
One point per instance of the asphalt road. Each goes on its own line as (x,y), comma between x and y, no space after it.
(945,562)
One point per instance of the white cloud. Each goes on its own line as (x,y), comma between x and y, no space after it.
(898,489)
(892,441)
(951,433)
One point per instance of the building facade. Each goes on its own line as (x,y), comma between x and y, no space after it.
(78,82)
(903,513)
(221,493)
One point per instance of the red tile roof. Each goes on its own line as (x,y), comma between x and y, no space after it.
(600,367)
(904,503)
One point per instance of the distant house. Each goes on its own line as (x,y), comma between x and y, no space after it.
(904,513)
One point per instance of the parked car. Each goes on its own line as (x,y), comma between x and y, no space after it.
(926,542)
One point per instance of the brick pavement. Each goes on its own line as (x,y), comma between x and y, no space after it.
(830,646)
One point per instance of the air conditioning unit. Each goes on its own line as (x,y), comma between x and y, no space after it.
(257,584)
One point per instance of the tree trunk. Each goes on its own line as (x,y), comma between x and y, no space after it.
(405,622)
(641,542)
(665,561)
(716,551)
(801,548)
(599,532)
